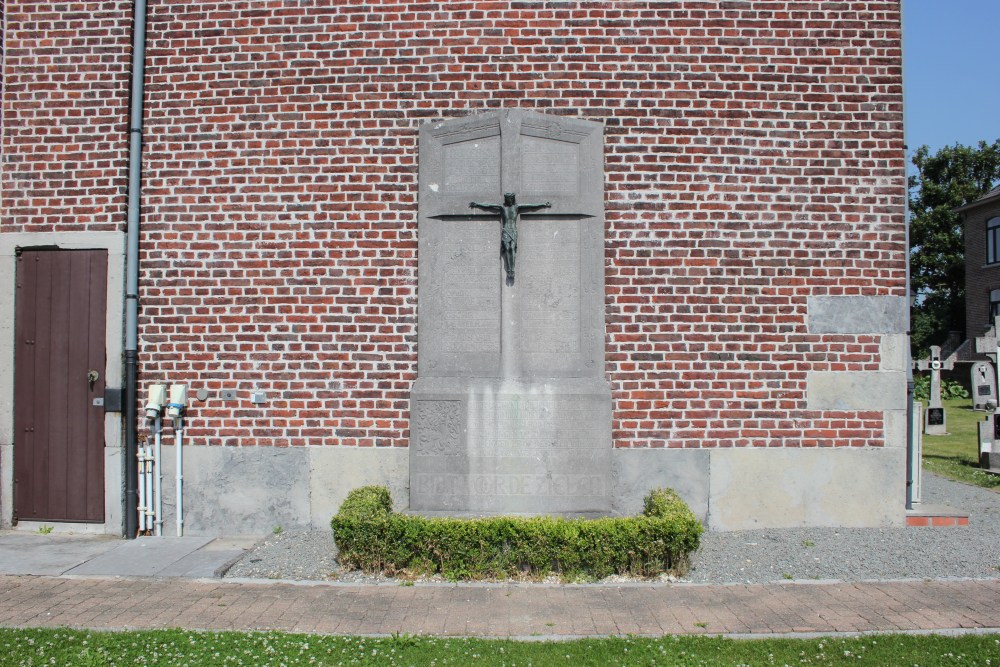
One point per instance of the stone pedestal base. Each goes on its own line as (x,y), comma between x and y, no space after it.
(989,447)
(935,421)
(503,447)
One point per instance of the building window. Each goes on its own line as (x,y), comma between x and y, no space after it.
(993,240)
(994,304)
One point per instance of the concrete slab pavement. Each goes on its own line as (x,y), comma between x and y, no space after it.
(100,555)
(32,553)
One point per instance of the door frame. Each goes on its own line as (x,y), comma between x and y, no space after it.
(114,243)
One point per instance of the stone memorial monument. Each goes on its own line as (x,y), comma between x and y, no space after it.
(935,422)
(984,387)
(511,411)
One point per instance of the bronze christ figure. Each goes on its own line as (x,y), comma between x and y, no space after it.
(508,212)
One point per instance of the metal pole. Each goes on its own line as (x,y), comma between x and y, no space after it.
(179,437)
(158,479)
(132,268)
(910,435)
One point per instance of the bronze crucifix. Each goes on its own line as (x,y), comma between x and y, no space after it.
(508,212)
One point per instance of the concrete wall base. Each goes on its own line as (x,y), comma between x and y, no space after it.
(636,472)
(231,491)
(744,489)
(784,488)
(335,471)
(251,490)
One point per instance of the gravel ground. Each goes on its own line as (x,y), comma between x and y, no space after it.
(751,556)
(859,554)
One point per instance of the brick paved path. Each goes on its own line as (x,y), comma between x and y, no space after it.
(499,611)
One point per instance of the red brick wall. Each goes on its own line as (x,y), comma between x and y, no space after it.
(753,156)
(65,116)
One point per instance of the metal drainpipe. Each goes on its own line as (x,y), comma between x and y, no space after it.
(910,435)
(132,268)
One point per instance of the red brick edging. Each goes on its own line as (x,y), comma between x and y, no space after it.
(936,521)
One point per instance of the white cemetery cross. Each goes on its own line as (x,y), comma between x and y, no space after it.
(989,430)
(935,422)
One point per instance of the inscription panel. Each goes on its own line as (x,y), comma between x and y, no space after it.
(524,485)
(549,167)
(471,322)
(525,426)
(524,451)
(549,298)
(460,296)
(472,166)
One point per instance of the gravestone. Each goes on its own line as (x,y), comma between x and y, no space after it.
(989,430)
(935,422)
(511,411)
(984,387)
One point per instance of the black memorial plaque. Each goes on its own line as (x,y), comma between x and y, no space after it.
(983,390)
(935,416)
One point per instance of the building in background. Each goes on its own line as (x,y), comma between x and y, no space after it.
(982,262)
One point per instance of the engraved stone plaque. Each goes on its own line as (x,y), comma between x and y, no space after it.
(550,168)
(549,297)
(471,166)
(511,411)
(525,451)
(460,308)
(438,427)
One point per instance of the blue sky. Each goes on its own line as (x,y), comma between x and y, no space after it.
(952,71)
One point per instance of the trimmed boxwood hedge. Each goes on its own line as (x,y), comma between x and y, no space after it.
(373,538)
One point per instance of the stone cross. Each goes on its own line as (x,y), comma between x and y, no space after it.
(935,423)
(989,345)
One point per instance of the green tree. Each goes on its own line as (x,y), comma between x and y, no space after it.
(952,177)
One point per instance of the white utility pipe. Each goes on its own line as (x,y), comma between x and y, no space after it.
(158,479)
(146,481)
(179,438)
(150,517)
(141,508)
(175,410)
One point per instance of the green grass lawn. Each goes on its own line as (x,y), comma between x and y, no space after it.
(956,455)
(179,647)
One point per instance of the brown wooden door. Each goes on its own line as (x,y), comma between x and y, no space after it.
(59,327)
